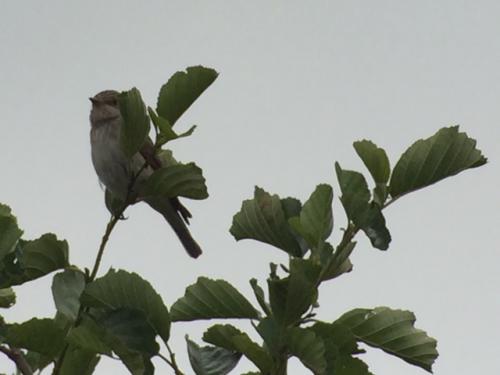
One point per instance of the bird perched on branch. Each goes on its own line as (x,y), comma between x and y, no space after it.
(116,171)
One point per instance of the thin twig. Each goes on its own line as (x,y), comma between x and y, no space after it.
(171,362)
(18,358)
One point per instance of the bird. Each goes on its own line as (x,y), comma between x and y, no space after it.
(116,171)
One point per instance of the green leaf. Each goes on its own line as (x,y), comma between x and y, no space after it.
(365,215)
(430,160)
(264,218)
(212,299)
(121,289)
(9,231)
(308,347)
(78,361)
(315,222)
(290,298)
(347,365)
(340,262)
(67,287)
(259,295)
(132,329)
(181,90)
(113,204)
(89,336)
(392,331)
(230,338)
(166,132)
(274,335)
(39,335)
(210,360)
(181,180)
(33,259)
(37,361)
(135,127)
(7,297)
(375,160)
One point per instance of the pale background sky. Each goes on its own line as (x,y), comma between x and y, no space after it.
(299,82)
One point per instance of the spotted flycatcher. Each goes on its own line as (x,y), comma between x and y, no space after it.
(116,171)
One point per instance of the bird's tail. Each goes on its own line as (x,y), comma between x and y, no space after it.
(180,228)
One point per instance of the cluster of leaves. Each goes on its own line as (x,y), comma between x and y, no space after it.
(120,315)
(286,321)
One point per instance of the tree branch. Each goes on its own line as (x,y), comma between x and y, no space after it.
(16,355)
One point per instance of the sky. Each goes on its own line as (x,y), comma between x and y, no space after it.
(299,82)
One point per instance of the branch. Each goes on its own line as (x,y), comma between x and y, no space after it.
(16,355)
(171,362)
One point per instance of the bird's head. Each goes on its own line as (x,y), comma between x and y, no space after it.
(104,107)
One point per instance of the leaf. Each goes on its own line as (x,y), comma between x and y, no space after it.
(259,295)
(210,360)
(89,336)
(67,287)
(7,297)
(309,348)
(121,289)
(113,204)
(78,361)
(39,335)
(33,259)
(430,160)
(392,331)
(135,126)
(264,219)
(9,231)
(375,159)
(181,180)
(230,338)
(315,222)
(365,215)
(290,298)
(166,132)
(340,262)
(132,329)
(347,365)
(181,90)
(212,299)
(273,334)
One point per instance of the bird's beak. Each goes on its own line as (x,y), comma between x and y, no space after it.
(94,101)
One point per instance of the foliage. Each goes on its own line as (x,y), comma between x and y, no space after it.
(122,316)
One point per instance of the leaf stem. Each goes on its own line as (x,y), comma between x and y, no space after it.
(171,362)
(16,355)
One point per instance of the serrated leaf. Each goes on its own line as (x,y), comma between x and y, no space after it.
(210,360)
(123,290)
(89,336)
(181,180)
(212,299)
(181,90)
(135,126)
(315,222)
(375,159)
(7,297)
(67,287)
(39,335)
(308,348)
(347,365)
(222,335)
(392,331)
(430,160)
(264,219)
(365,215)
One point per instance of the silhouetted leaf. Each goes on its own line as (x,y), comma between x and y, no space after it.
(308,347)
(427,161)
(375,160)
(392,331)
(135,127)
(211,299)
(166,133)
(181,90)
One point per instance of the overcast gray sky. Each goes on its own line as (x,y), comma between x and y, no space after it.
(299,82)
